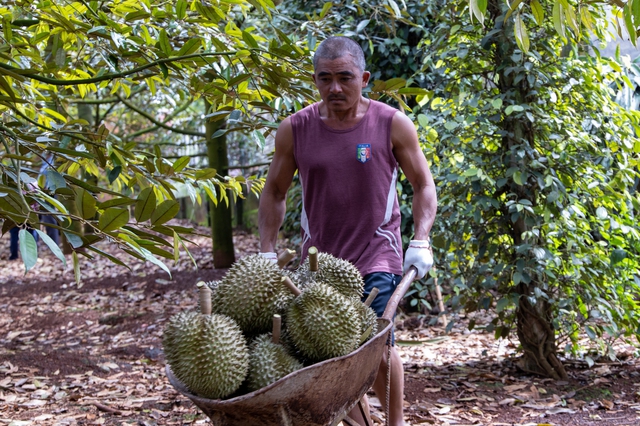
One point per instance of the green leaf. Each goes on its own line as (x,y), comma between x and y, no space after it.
(558,19)
(586,18)
(522,37)
(325,9)
(28,249)
(572,20)
(191,46)
(628,22)
(361,25)
(617,256)
(395,8)
(517,278)
(475,11)
(395,83)
(114,173)
(54,180)
(164,42)
(512,8)
(115,202)
(85,203)
(55,249)
(517,177)
(165,211)
(181,163)
(74,240)
(181,9)
(113,219)
(538,11)
(145,205)
(601,213)
(502,304)
(423,120)
(248,38)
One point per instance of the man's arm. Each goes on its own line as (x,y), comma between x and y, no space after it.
(410,157)
(273,200)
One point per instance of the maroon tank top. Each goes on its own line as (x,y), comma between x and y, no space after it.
(350,204)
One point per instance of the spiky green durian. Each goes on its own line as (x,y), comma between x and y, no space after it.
(251,292)
(337,273)
(268,362)
(208,353)
(368,321)
(323,323)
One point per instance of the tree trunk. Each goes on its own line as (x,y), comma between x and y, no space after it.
(533,316)
(220,214)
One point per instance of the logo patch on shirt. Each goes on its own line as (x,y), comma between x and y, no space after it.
(363,152)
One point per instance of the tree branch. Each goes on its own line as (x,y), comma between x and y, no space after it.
(158,123)
(110,76)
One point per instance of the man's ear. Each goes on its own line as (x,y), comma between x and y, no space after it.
(366,75)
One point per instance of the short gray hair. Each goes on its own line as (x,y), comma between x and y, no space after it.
(337,47)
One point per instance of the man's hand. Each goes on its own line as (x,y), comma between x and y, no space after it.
(272,256)
(418,254)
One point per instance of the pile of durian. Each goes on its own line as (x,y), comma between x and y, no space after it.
(261,323)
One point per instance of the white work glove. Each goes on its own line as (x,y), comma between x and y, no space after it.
(418,254)
(269,255)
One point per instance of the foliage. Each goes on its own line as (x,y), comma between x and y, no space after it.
(535,168)
(147,58)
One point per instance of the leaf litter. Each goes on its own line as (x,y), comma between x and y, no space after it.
(91,354)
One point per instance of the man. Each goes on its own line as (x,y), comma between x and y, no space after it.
(346,150)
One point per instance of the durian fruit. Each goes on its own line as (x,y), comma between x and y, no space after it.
(208,353)
(321,322)
(251,293)
(335,272)
(268,359)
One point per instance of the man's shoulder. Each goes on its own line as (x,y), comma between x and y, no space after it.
(384,108)
(307,111)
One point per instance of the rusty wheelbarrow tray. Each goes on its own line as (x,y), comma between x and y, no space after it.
(320,394)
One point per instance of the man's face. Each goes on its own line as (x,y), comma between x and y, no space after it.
(340,82)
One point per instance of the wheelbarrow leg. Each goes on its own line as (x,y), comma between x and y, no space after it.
(363,408)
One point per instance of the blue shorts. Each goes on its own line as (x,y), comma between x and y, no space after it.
(386,283)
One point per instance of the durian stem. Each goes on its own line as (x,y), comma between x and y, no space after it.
(372,296)
(205,298)
(313,259)
(285,258)
(291,286)
(277,326)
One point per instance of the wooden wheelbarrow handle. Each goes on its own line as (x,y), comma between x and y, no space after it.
(399,293)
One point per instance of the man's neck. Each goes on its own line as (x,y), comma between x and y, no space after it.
(340,120)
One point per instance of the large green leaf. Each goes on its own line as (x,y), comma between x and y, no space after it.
(28,249)
(165,211)
(113,218)
(85,203)
(145,205)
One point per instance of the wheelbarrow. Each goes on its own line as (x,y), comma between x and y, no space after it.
(320,394)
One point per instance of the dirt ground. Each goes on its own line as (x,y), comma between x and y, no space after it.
(91,354)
